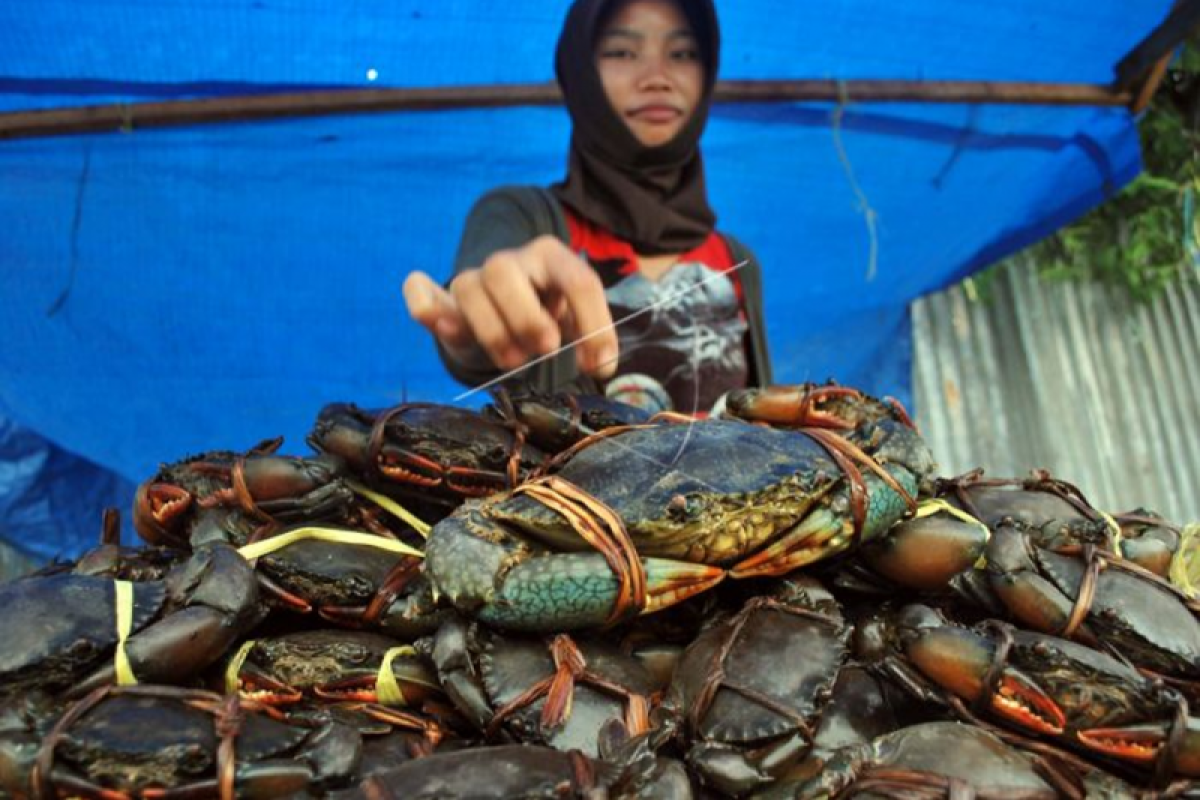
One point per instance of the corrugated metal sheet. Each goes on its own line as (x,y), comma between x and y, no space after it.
(1067,376)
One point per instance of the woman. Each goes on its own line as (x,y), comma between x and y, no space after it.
(629,230)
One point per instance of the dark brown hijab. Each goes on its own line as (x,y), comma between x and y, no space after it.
(652,197)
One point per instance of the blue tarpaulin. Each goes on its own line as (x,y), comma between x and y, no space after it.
(170,291)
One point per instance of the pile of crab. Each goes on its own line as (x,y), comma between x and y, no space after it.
(557,596)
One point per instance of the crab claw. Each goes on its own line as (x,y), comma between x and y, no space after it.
(823,533)
(254,684)
(413,679)
(1142,744)
(158,513)
(958,660)
(1032,599)
(570,591)
(798,406)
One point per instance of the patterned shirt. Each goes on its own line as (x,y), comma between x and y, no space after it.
(683,344)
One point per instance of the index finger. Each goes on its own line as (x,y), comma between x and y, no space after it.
(577,283)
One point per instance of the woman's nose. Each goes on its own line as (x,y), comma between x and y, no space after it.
(654,72)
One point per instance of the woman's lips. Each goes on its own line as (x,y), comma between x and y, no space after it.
(656,113)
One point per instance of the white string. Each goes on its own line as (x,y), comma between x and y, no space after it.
(864,204)
(657,304)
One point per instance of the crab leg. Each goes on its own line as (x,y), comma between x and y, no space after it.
(822,533)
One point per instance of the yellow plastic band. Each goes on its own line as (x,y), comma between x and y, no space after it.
(937,506)
(123,598)
(1185,564)
(1115,528)
(930,507)
(336,535)
(233,671)
(392,507)
(387,688)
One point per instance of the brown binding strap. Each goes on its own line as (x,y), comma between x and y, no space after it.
(570,668)
(991,678)
(1087,592)
(604,530)
(842,450)
(227,711)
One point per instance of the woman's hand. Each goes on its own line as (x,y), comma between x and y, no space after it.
(520,304)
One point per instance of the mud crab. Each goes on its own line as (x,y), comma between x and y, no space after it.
(263,487)
(1043,685)
(72,632)
(748,721)
(556,421)
(349,578)
(671,508)
(913,762)
(425,449)
(330,665)
(558,693)
(1099,599)
(162,741)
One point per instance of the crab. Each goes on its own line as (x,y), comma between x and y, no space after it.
(1046,686)
(1099,599)
(672,509)
(426,450)
(259,485)
(163,741)
(936,759)
(556,421)
(331,665)
(746,719)
(558,692)
(69,632)
(349,578)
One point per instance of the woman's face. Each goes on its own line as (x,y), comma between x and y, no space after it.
(650,66)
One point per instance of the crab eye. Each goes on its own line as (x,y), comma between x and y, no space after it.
(683,507)
(82,650)
(194,760)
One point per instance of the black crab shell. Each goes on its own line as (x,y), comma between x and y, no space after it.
(791,659)
(951,749)
(127,739)
(482,773)
(510,665)
(449,435)
(55,628)
(1147,622)
(330,573)
(312,658)
(672,482)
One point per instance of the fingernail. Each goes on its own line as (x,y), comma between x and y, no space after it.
(606,362)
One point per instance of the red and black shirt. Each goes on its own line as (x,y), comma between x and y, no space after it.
(682,337)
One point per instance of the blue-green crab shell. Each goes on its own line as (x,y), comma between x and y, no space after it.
(711,492)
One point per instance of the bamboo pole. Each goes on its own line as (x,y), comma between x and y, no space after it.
(1143,58)
(242,108)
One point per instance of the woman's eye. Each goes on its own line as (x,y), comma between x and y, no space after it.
(617,53)
(689,54)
